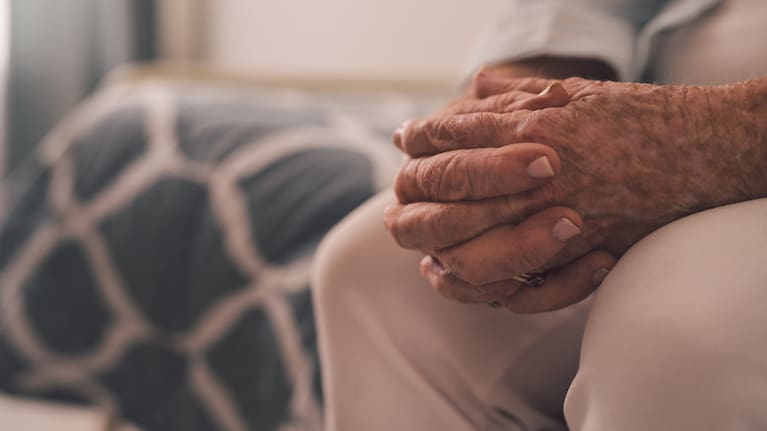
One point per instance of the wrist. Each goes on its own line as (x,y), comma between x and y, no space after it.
(717,140)
(746,116)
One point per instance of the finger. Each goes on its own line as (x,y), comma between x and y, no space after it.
(426,136)
(563,287)
(474,130)
(596,230)
(412,137)
(476,174)
(430,226)
(496,103)
(506,251)
(486,85)
(554,96)
(453,288)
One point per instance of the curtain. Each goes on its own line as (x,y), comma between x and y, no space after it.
(59,51)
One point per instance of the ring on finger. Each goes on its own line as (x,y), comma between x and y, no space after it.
(529,280)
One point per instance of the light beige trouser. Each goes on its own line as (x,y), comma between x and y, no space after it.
(676,338)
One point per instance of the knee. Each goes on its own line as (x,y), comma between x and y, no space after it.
(668,371)
(660,365)
(355,257)
(676,328)
(338,264)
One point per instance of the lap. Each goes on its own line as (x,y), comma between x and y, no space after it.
(677,332)
(479,360)
(687,296)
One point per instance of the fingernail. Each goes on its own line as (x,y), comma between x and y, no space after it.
(397,137)
(600,275)
(540,168)
(565,229)
(551,87)
(390,209)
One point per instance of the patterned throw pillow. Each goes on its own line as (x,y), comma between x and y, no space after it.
(155,254)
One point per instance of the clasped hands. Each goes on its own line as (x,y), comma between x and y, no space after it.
(553,177)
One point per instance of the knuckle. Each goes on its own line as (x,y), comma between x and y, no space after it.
(423,175)
(441,132)
(403,182)
(429,175)
(496,170)
(489,121)
(446,178)
(437,221)
(438,178)
(454,132)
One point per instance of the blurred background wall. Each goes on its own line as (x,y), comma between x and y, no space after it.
(394,39)
(60,50)
(401,39)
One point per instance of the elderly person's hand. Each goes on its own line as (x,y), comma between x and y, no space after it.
(500,191)
(492,79)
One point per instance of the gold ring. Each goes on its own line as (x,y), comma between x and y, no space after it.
(529,280)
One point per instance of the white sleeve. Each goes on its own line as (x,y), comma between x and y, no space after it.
(600,29)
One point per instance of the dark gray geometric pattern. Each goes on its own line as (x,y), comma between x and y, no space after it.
(263,384)
(97,163)
(337,186)
(65,328)
(155,255)
(171,226)
(28,192)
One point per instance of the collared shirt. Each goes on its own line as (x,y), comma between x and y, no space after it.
(623,33)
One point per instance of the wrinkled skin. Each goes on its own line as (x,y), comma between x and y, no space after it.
(626,159)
